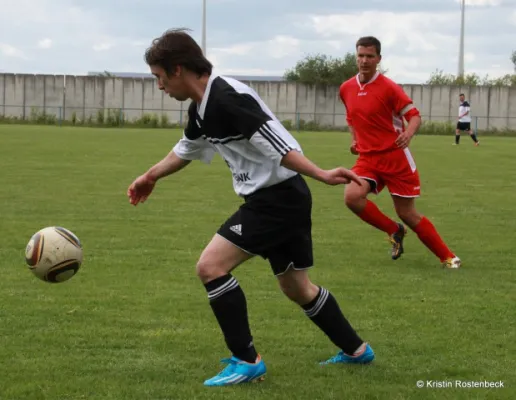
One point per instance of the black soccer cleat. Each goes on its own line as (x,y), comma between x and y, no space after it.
(397,242)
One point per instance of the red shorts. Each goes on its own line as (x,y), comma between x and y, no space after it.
(395,169)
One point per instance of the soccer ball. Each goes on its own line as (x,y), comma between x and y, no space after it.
(54,254)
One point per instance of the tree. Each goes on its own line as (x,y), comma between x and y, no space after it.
(323,70)
(506,80)
(440,78)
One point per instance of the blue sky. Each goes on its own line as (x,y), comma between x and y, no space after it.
(259,37)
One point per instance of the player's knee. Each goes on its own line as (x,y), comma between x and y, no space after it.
(353,199)
(208,269)
(410,216)
(300,291)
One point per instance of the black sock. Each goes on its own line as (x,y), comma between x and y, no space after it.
(457,139)
(474,137)
(227,300)
(326,314)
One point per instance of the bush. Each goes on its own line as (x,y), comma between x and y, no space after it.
(436,128)
(117,118)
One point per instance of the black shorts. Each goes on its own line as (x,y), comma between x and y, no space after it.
(276,224)
(464,126)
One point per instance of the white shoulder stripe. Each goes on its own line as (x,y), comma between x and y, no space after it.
(274,139)
(407,109)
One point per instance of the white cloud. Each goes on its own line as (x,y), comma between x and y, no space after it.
(469,57)
(282,46)
(45,43)
(102,46)
(395,29)
(277,47)
(237,49)
(98,35)
(482,2)
(414,44)
(11,51)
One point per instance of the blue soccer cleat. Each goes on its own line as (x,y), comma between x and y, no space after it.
(238,371)
(364,357)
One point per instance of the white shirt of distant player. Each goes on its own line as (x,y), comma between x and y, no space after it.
(254,163)
(464,107)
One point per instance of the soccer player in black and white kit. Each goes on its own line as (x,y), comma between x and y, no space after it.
(464,121)
(274,221)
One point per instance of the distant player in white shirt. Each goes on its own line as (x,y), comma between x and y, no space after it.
(464,121)
(266,163)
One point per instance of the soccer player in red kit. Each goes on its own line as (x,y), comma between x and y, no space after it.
(376,107)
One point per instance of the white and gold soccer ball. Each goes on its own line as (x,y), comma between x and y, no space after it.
(54,254)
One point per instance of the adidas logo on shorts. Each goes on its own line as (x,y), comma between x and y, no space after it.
(237,229)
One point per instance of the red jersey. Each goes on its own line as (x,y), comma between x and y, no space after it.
(375,110)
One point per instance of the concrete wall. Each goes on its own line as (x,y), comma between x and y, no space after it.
(85,96)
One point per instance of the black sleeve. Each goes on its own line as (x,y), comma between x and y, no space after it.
(466,104)
(192,130)
(243,113)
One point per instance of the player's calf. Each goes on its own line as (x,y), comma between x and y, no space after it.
(473,137)
(321,307)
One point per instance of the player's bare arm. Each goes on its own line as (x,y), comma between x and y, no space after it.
(463,115)
(142,187)
(414,122)
(353,146)
(295,161)
(169,165)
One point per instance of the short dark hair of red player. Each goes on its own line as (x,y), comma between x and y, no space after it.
(370,41)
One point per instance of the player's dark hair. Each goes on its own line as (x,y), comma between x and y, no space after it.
(177,48)
(370,41)
(462,94)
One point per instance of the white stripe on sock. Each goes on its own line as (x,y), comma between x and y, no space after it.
(319,304)
(229,285)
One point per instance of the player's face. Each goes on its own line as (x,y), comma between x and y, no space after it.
(171,84)
(367,59)
(461,98)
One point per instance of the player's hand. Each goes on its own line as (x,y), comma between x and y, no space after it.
(140,189)
(353,148)
(404,139)
(340,176)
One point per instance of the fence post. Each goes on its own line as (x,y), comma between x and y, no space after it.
(181,117)
(121,116)
(60,116)
(476,126)
(297,121)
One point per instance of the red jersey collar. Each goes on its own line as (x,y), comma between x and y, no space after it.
(367,83)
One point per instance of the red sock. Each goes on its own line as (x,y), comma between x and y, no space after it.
(373,216)
(428,235)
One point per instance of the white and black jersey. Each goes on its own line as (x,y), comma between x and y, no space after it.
(233,121)
(465,108)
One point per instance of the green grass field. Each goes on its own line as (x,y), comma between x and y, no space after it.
(135,322)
